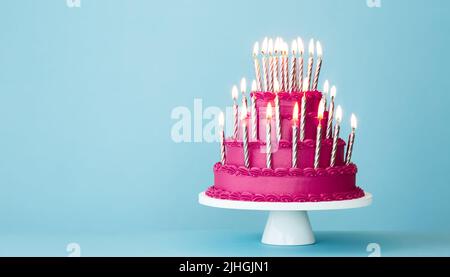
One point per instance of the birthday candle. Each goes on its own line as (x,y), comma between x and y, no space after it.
(271,64)
(277,110)
(351,140)
(268,136)
(285,66)
(301,50)
(336,135)
(319,135)
(245,134)
(254,115)
(234,95)
(244,90)
(257,67)
(222,138)
(303,111)
(305,85)
(265,64)
(326,90)
(293,75)
(310,62)
(318,66)
(331,112)
(276,58)
(294,135)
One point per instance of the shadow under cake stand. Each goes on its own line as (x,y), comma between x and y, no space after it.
(288,222)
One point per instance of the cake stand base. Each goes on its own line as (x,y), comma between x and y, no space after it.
(288,228)
(288,223)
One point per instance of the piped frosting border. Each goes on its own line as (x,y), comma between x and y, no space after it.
(350,169)
(256,197)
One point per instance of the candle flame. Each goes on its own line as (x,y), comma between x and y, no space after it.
(264,46)
(221,119)
(319,49)
(277,45)
(244,111)
(294,47)
(333,91)
(255,49)
(326,87)
(321,109)
(285,48)
(269,111)
(234,92)
(243,85)
(276,85)
(339,114)
(282,46)
(254,86)
(301,47)
(353,121)
(311,47)
(305,84)
(270,46)
(295,113)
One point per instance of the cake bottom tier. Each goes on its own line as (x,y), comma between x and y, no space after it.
(285,185)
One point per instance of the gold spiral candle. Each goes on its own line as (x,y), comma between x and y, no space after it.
(265,64)
(336,136)
(303,112)
(318,66)
(285,64)
(318,135)
(271,64)
(330,113)
(254,114)
(276,59)
(326,90)
(222,138)
(269,136)
(293,73)
(301,50)
(257,67)
(243,87)
(294,135)
(310,63)
(245,135)
(277,110)
(234,95)
(351,140)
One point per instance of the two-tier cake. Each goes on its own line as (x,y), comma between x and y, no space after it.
(285,147)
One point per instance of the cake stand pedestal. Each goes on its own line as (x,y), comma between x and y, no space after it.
(288,223)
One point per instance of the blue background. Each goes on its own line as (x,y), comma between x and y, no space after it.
(86,96)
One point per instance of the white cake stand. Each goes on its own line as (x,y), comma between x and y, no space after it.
(288,223)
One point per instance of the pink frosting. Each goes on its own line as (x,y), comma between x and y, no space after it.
(283,183)
(292,181)
(282,153)
(273,197)
(287,102)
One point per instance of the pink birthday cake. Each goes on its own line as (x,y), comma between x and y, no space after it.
(285,145)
